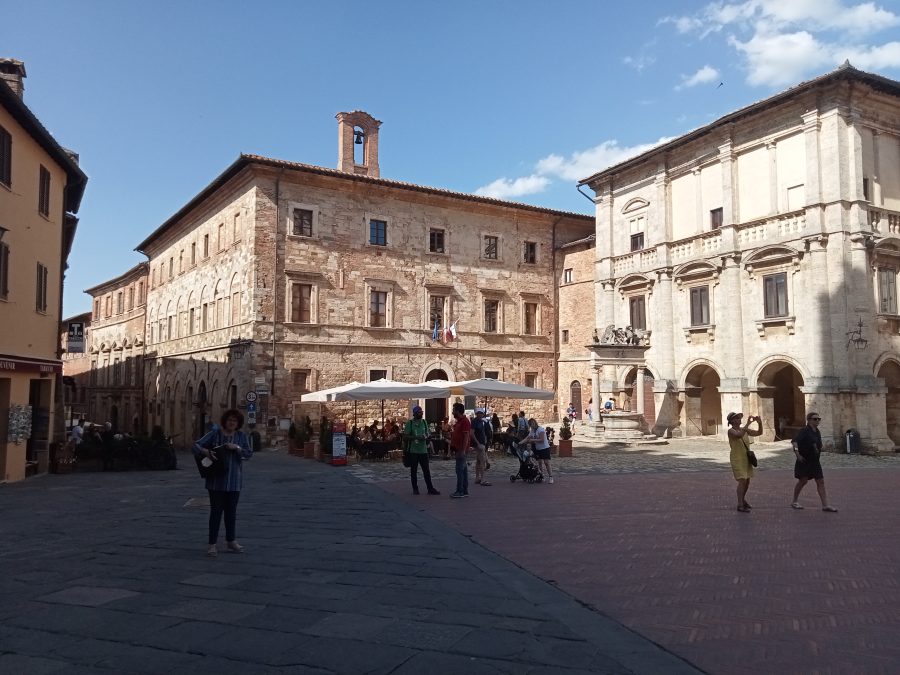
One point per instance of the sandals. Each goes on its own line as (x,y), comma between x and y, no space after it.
(234,547)
(747,505)
(212,551)
(743,509)
(797,506)
(829,509)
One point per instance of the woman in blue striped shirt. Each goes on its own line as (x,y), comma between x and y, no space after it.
(232,446)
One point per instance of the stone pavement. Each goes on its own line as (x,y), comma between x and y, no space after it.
(663,551)
(106,573)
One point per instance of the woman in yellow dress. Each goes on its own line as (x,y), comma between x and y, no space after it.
(740,464)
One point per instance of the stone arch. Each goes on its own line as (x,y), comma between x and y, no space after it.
(436,409)
(701,414)
(575,398)
(887,368)
(780,400)
(635,204)
(772,358)
(634,280)
(682,382)
(437,364)
(628,393)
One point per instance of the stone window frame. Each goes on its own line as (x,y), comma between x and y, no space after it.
(388,372)
(310,379)
(530,299)
(486,294)
(693,275)
(499,249)
(388,230)
(633,286)
(568,275)
(313,279)
(535,381)
(564,336)
(446,234)
(886,257)
(529,247)
(486,372)
(439,290)
(289,224)
(766,262)
(236,227)
(383,285)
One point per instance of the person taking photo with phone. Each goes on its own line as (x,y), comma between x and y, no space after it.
(740,461)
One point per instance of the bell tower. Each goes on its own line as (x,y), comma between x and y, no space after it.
(356,129)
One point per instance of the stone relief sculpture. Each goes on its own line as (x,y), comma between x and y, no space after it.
(623,336)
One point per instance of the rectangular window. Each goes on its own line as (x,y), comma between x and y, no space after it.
(436,311)
(96,309)
(715,218)
(378,232)
(171,267)
(4,270)
(170,327)
(191,318)
(637,241)
(531,318)
(531,380)
(492,374)
(44,192)
(866,189)
(378,309)
(491,316)
(436,241)
(377,375)
(529,253)
(5,157)
(236,227)
(193,253)
(303,222)
(117,372)
(181,261)
(700,306)
(130,298)
(775,292)
(565,337)
(204,317)
(300,380)
(120,302)
(205,246)
(567,276)
(490,247)
(887,290)
(220,313)
(220,241)
(40,296)
(141,293)
(301,303)
(638,313)
(108,312)
(235,308)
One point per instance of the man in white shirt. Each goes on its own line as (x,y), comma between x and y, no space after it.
(77,433)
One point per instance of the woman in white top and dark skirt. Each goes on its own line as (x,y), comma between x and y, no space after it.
(538,436)
(231,446)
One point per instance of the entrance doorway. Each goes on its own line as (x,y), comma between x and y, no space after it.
(435,408)
(780,399)
(890,373)
(575,398)
(37,446)
(702,403)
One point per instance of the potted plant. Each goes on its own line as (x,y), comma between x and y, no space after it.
(565,438)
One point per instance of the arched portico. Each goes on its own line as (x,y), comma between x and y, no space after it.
(701,413)
(780,400)
(889,371)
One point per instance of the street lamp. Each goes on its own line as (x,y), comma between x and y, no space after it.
(855,336)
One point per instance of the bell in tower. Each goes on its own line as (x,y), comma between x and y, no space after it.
(358,128)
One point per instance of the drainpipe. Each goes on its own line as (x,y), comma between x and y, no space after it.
(275,283)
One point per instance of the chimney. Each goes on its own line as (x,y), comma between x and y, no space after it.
(12,71)
(358,128)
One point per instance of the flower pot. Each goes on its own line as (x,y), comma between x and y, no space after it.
(565,447)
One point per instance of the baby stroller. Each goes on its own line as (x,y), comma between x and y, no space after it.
(528,470)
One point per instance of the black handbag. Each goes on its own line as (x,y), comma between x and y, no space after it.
(751,457)
(210,468)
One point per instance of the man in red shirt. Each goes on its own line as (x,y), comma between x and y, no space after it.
(460,440)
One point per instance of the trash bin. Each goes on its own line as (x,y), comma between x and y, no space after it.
(854,444)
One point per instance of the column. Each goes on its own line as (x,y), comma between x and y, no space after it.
(813,189)
(733,323)
(729,194)
(663,336)
(639,389)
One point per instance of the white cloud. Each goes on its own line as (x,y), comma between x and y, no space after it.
(705,75)
(639,62)
(504,188)
(783,41)
(578,165)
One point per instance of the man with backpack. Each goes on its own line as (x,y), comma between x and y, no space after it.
(481,430)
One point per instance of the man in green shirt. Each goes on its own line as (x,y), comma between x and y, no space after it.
(415,442)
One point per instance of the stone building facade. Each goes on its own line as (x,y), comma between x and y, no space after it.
(76,368)
(116,350)
(761,254)
(41,186)
(281,278)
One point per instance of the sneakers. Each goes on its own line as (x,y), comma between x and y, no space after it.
(551,480)
(829,509)
(796,505)
(457,495)
(432,491)
(212,551)
(234,547)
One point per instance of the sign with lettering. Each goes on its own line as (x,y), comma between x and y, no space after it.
(9,363)
(75,343)
(339,444)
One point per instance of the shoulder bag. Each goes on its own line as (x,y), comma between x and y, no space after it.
(751,456)
(208,467)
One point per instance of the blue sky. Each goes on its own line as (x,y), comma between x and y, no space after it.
(513,99)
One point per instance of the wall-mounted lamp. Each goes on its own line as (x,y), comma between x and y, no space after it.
(358,137)
(855,337)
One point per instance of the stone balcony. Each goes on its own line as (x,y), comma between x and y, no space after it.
(884,222)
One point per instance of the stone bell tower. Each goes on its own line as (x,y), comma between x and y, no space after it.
(358,128)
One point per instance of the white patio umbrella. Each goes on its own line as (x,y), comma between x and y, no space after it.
(325,395)
(487,386)
(382,390)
